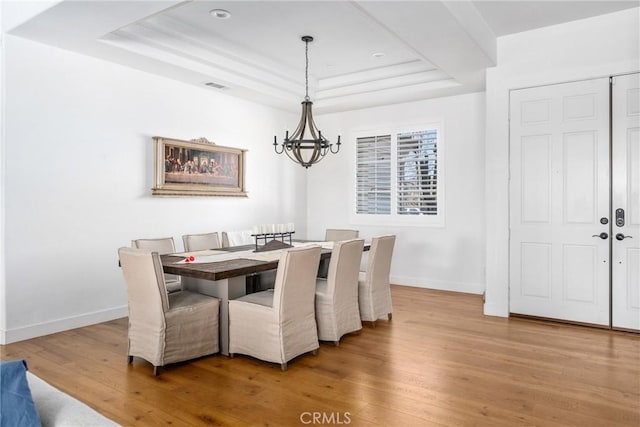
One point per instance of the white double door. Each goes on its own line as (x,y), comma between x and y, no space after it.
(575,202)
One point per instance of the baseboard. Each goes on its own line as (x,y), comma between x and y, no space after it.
(9,336)
(466,287)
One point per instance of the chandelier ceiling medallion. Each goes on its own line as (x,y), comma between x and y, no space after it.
(306,146)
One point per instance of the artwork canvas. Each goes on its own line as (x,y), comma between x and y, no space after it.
(197,168)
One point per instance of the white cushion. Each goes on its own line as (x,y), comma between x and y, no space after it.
(262,298)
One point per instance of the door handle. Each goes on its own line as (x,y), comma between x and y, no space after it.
(603,236)
(621,236)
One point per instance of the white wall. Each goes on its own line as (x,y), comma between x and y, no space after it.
(594,47)
(78,174)
(2,126)
(449,257)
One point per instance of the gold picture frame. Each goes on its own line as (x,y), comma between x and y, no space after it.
(197,168)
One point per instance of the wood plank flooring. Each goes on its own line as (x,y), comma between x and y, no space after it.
(439,362)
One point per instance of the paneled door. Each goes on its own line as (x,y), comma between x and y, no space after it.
(559,202)
(626,202)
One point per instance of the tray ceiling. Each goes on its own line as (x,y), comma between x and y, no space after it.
(365,53)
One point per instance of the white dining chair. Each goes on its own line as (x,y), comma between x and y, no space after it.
(237,238)
(337,234)
(165,328)
(162,246)
(198,242)
(279,324)
(374,290)
(337,309)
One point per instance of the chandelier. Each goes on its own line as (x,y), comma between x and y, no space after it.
(306,146)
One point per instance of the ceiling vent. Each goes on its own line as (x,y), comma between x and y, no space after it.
(215,85)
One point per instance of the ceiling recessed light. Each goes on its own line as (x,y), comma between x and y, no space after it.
(378,55)
(220,13)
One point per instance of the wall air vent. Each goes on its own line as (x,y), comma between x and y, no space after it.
(216,85)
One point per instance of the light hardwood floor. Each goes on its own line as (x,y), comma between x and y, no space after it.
(438,362)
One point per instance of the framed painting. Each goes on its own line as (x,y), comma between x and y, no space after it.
(197,168)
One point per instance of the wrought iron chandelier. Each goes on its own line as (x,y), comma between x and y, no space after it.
(306,146)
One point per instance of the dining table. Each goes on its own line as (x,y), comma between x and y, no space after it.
(222,273)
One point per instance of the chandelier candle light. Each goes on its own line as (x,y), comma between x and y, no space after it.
(307,138)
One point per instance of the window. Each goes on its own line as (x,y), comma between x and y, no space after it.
(374,175)
(397,176)
(418,173)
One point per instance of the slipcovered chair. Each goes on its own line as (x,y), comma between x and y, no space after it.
(198,242)
(335,234)
(237,238)
(374,291)
(163,246)
(165,328)
(337,311)
(280,324)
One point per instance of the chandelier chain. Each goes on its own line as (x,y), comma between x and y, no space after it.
(306,70)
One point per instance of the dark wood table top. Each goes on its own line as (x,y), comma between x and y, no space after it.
(216,270)
(224,269)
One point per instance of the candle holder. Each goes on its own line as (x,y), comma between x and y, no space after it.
(272,241)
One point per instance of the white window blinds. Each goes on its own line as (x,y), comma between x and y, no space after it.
(417,167)
(373,175)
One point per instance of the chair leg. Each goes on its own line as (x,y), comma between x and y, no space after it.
(130,359)
(336,343)
(390,315)
(314,352)
(283,366)
(156,371)
(253,283)
(250,284)
(231,355)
